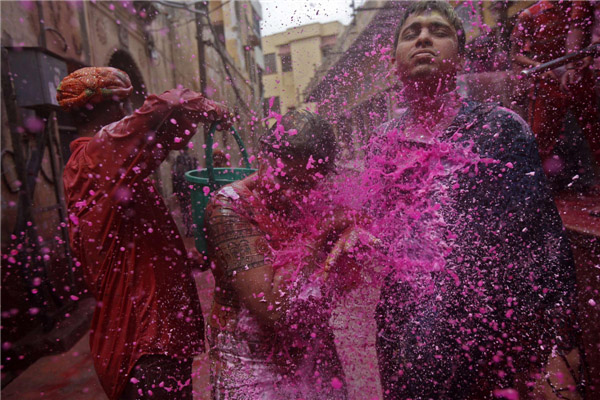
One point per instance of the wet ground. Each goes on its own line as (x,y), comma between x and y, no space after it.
(71,375)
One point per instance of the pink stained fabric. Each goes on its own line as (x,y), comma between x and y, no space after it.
(133,259)
(542,29)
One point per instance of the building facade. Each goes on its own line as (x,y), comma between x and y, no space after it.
(211,47)
(291,60)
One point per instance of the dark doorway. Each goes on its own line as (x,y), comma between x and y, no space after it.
(123,61)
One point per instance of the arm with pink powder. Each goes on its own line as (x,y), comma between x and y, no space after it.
(130,149)
(579,36)
(282,288)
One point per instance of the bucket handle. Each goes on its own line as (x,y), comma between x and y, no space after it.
(209,152)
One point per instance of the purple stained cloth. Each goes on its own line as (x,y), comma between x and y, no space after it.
(484,284)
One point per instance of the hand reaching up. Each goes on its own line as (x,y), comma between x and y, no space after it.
(344,258)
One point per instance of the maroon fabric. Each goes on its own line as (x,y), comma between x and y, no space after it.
(132,256)
(541,30)
(548,106)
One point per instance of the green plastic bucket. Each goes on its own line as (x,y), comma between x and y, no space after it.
(212,179)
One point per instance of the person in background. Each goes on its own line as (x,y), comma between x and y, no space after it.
(489,298)
(483,57)
(543,32)
(181,188)
(148,324)
(220,159)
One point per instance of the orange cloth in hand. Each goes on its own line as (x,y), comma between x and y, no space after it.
(93,85)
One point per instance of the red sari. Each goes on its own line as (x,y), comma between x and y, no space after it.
(541,33)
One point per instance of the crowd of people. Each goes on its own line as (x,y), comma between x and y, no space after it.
(450,216)
(543,32)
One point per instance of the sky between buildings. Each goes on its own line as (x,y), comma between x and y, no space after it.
(279,15)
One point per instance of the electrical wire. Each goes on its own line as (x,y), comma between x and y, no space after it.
(225,60)
(214,44)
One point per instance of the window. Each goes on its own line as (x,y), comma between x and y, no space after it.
(276,105)
(325,51)
(251,68)
(286,62)
(275,108)
(327,44)
(259,75)
(270,64)
(248,62)
(220,31)
(256,25)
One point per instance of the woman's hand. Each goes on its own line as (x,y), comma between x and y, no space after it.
(343,259)
(572,77)
(339,221)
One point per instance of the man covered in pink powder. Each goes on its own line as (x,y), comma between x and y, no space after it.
(481,293)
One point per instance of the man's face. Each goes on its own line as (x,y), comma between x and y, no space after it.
(427,49)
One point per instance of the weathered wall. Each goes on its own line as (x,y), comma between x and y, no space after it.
(305,44)
(159,53)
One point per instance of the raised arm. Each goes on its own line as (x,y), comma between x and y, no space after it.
(521,38)
(579,36)
(130,149)
(581,20)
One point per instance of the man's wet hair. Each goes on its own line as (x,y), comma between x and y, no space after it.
(311,135)
(444,8)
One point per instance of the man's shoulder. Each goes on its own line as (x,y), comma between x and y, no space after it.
(498,128)
(497,109)
(76,161)
(500,114)
(232,199)
(381,134)
(538,8)
(382,131)
(493,112)
(77,148)
(224,197)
